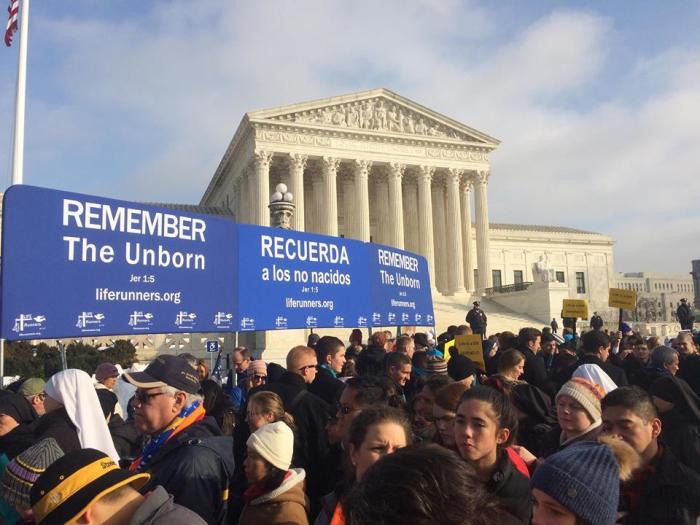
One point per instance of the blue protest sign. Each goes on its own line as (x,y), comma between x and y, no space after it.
(212,346)
(290,279)
(76,265)
(399,288)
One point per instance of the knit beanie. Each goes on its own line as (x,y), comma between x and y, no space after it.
(32,387)
(460,367)
(275,443)
(25,469)
(587,394)
(437,366)
(105,370)
(584,478)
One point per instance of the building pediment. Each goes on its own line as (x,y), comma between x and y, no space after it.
(378,111)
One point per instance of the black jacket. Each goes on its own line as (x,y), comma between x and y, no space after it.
(311,449)
(326,386)
(58,425)
(682,435)
(512,488)
(671,495)
(195,467)
(127,439)
(690,371)
(644,377)
(616,373)
(631,365)
(477,320)
(535,372)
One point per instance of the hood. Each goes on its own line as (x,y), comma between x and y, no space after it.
(291,490)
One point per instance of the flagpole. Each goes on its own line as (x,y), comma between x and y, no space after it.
(18,139)
(18,142)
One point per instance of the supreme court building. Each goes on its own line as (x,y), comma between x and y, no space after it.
(372,166)
(376,166)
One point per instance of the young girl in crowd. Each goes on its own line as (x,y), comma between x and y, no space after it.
(581,484)
(267,407)
(444,413)
(374,433)
(276,493)
(485,425)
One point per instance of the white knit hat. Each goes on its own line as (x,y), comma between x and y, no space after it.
(586,393)
(275,443)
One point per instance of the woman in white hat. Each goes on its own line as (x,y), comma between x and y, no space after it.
(276,492)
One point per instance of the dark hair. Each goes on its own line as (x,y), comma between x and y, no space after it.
(420,359)
(312,340)
(327,346)
(370,390)
(502,407)
(373,416)
(463,329)
(396,360)
(428,484)
(436,381)
(507,340)
(594,339)
(508,359)
(370,362)
(528,335)
(547,337)
(631,398)
(244,351)
(448,397)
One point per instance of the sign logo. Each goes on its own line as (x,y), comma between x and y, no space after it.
(392,317)
(139,320)
(185,319)
(429,319)
(311,322)
(280,322)
(90,322)
(376,318)
(28,324)
(338,322)
(212,346)
(223,319)
(418,318)
(404,317)
(362,321)
(247,323)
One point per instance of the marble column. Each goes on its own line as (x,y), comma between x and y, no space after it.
(240,199)
(361,231)
(395,177)
(467,241)
(261,166)
(439,235)
(382,191)
(251,183)
(454,234)
(297,163)
(425,218)
(410,213)
(347,206)
(329,204)
(316,205)
(481,206)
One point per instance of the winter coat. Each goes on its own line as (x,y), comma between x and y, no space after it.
(287,504)
(477,320)
(631,365)
(670,496)
(311,449)
(535,372)
(690,371)
(326,386)
(596,322)
(551,442)
(58,425)
(644,377)
(195,467)
(329,502)
(682,435)
(127,440)
(160,509)
(512,488)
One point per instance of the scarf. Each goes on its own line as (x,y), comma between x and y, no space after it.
(187,417)
(326,367)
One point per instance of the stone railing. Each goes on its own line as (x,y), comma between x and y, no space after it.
(517,287)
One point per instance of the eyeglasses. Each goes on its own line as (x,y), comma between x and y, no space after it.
(304,368)
(259,379)
(144,397)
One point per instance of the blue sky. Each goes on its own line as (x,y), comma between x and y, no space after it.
(597,103)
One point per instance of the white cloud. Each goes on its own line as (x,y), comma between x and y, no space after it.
(160,95)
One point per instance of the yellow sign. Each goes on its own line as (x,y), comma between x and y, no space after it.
(577,308)
(470,346)
(448,347)
(625,299)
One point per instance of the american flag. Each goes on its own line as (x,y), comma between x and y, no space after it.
(11,22)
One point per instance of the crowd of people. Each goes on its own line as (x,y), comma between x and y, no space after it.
(551,429)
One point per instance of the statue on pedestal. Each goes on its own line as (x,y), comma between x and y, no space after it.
(541,271)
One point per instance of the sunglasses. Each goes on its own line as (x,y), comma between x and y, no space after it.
(303,368)
(259,378)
